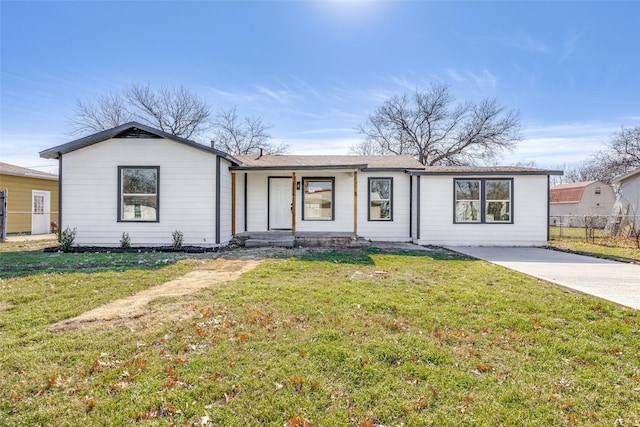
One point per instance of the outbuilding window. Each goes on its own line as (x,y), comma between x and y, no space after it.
(483,201)
(380,199)
(318,199)
(138,190)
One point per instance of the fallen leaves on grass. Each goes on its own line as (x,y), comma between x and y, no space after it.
(298,422)
(297,383)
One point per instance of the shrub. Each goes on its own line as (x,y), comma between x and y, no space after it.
(177,237)
(67,237)
(125,241)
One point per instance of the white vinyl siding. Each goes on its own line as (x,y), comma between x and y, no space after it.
(529,201)
(343,209)
(186,191)
(225,201)
(395,230)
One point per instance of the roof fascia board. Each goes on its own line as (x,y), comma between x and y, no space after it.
(55,152)
(627,175)
(292,168)
(406,170)
(30,175)
(486,173)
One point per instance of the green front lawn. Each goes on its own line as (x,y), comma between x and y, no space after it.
(357,339)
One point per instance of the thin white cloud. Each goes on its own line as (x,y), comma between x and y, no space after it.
(454,75)
(523,41)
(565,143)
(279,95)
(405,83)
(484,80)
(569,44)
(323,146)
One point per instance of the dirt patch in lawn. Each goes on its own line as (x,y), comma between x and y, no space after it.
(134,311)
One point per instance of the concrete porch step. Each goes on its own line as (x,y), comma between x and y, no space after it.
(280,242)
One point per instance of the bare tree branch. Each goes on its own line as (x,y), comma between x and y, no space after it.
(176,111)
(430,127)
(243,136)
(619,156)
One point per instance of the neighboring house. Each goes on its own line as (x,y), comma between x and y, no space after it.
(141,181)
(32,199)
(627,209)
(589,198)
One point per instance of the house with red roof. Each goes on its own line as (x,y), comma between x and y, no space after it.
(579,199)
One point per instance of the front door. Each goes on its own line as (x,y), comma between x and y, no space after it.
(40,211)
(280,203)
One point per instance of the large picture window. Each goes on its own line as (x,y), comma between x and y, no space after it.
(318,199)
(380,199)
(483,201)
(138,193)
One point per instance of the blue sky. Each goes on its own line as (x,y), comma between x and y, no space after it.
(315,70)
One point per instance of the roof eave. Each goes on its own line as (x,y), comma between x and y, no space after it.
(486,173)
(298,167)
(56,152)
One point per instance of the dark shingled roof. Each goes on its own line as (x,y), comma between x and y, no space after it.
(401,162)
(485,170)
(123,130)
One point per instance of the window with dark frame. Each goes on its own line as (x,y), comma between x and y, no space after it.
(318,199)
(380,199)
(483,201)
(138,199)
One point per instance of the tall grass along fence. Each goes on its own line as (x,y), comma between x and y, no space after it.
(590,227)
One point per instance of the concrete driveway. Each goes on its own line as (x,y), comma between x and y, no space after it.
(614,281)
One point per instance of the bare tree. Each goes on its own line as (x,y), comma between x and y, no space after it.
(176,111)
(108,111)
(437,131)
(619,156)
(245,136)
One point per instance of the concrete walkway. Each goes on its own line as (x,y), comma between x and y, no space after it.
(614,281)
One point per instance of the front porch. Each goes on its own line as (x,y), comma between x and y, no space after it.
(288,239)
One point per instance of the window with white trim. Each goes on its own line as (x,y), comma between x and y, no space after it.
(380,199)
(483,201)
(318,199)
(138,199)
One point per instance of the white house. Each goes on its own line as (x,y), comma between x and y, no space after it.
(137,180)
(627,208)
(580,199)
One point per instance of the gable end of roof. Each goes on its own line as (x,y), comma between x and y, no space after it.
(129,130)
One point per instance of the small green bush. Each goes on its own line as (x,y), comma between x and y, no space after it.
(125,241)
(67,237)
(177,237)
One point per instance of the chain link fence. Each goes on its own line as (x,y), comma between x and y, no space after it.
(589,227)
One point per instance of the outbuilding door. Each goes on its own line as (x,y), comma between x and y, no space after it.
(40,211)
(280,203)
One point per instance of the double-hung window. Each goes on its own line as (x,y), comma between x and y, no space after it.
(318,199)
(483,201)
(138,195)
(380,199)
